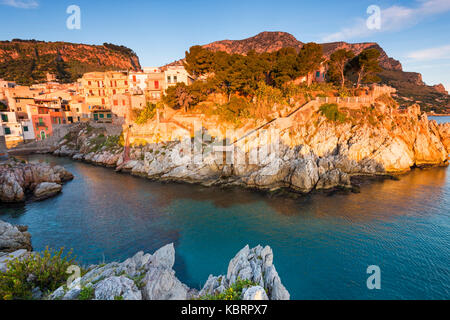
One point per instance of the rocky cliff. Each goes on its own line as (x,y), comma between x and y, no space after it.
(18,180)
(304,152)
(27,62)
(273,41)
(251,275)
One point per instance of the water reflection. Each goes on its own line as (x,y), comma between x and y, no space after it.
(318,239)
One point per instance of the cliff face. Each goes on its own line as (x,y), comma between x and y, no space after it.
(263,42)
(273,41)
(306,152)
(27,62)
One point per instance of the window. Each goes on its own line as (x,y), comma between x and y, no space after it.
(124,103)
(318,74)
(175,79)
(89,83)
(103,101)
(25,129)
(116,102)
(7,130)
(4,117)
(156,84)
(102,115)
(109,115)
(169,79)
(134,78)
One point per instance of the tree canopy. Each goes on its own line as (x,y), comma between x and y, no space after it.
(338,64)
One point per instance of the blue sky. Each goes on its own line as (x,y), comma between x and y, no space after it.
(416,31)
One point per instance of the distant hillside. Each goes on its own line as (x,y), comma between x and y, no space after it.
(410,86)
(28,61)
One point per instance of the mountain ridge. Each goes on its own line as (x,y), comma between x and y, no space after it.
(410,86)
(28,61)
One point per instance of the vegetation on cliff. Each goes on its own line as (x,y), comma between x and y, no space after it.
(28,61)
(410,90)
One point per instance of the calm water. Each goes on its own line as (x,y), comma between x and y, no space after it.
(322,244)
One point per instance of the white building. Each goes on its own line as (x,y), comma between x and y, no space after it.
(177,74)
(137,81)
(15,130)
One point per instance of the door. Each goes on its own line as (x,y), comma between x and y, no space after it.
(42,135)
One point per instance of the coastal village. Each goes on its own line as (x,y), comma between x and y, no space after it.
(30,113)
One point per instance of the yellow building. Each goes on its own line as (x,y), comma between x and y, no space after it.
(98,87)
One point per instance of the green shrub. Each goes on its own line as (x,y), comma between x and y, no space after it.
(46,271)
(86,293)
(331,112)
(141,116)
(232,293)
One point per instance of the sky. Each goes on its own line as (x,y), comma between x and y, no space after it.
(416,32)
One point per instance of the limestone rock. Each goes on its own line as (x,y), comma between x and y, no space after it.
(5,258)
(13,238)
(117,288)
(255,293)
(46,190)
(255,265)
(161,284)
(16,178)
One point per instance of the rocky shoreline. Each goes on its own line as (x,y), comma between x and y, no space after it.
(20,181)
(315,155)
(151,276)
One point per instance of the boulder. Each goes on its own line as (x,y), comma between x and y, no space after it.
(161,284)
(115,288)
(5,258)
(255,265)
(16,178)
(46,190)
(13,238)
(255,293)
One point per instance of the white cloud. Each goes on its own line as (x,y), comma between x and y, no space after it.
(431,53)
(392,19)
(21,4)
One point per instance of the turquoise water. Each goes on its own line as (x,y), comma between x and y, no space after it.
(322,244)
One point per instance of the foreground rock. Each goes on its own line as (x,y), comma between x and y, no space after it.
(18,178)
(151,277)
(13,238)
(255,265)
(5,258)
